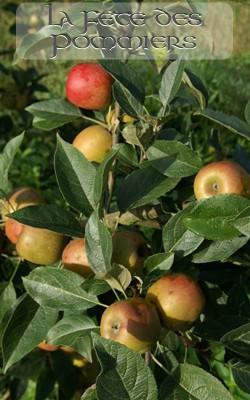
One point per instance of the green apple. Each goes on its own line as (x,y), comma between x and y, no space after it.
(74,258)
(133,322)
(130,249)
(40,246)
(94,143)
(178,299)
(221,177)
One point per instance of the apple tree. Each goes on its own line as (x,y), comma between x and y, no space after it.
(142,186)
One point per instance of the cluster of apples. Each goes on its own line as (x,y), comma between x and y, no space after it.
(89,87)
(36,245)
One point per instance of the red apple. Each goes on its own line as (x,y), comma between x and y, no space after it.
(133,322)
(74,258)
(13,229)
(89,86)
(178,299)
(94,143)
(221,177)
(130,249)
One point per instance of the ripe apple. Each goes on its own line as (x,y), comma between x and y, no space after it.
(19,198)
(133,322)
(94,143)
(221,177)
(178,299)
(40,246)
(74,258)
(13,230)
(130,249)
(89,86)
(47,347)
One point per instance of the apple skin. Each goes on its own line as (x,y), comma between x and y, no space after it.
(221,177)
(40,246)
(94,143)
(47,347)
(133,322)
(13,230)
(19,198)
(178,299)
(89,86)
(130,249)
(74,258)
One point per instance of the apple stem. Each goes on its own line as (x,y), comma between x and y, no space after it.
(115,140)
(96,121)
(147,357)
(15,271)
(159,363)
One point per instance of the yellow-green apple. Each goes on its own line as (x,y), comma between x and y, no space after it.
(221,177)
(40,246)
(178,299)
(94,143)
(47,347)
(74,258)
(133,322)
(89,86)
(130,249)
(13,230)
(19,198)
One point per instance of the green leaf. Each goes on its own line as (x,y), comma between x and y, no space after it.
(46,124)
(193,383)
(232,123)
(59,289)
(135,136)
(102,174)
(89,394)
(238,340)
(142,187)
(212,217)
(126,76)
(242,222)
(7,297)
(119,277)
(27,327)
(50,217)
(59,110)
(247,112)
(173,159)
(98,244)
(64,373)
(45,383)
(73,331)
(241,375)
(124,373)
(6,159)
(171,82)
(75,176)
(177,238)
(129,104)
(219,250)
(160,262)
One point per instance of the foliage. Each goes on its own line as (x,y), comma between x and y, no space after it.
(152,167)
